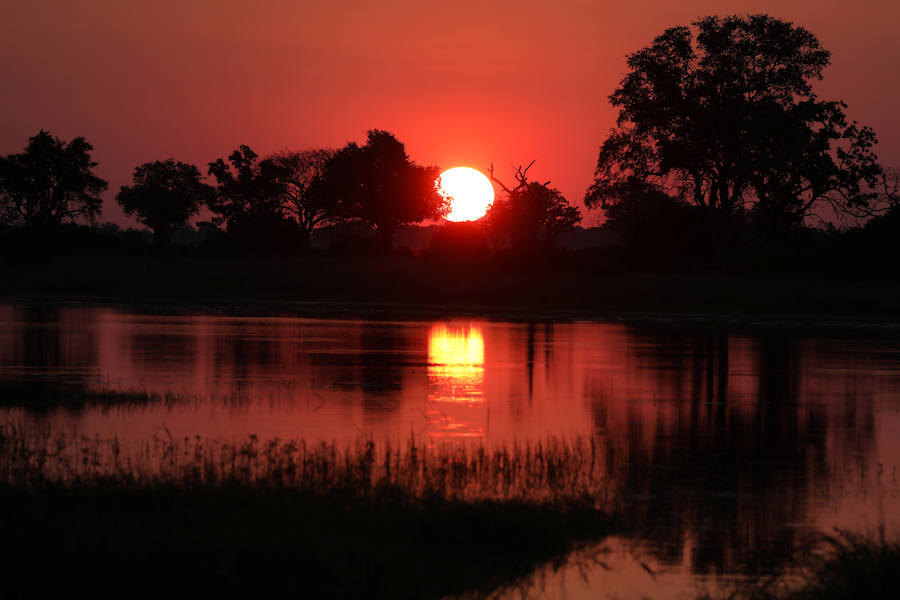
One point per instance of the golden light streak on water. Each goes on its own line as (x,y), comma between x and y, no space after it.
(456,380)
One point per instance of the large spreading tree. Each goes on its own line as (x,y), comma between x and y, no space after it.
(723,116)
(378,184)
(50,183)
(164,194)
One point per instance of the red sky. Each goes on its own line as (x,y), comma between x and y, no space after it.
(461,83)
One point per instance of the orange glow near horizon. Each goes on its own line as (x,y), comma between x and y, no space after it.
(504,82)
(470,193)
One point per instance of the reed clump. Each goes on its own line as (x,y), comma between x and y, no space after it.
(288,518)
(850,565)
(547,471)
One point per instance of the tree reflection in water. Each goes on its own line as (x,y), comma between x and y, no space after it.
(740,447)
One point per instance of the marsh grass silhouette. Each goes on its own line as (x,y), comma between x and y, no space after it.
(553,471)
(287,518)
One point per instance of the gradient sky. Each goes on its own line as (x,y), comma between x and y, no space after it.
(461,83)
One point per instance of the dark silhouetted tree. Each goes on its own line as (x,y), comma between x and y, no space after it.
(722,115)
(247,187)
(532,213)
(660,231)
(51,182)
(249,201)
(305,196)
(379,185)
(164,195)
(875,244)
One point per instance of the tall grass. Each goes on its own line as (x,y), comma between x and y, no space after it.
(288,518)
(552,470)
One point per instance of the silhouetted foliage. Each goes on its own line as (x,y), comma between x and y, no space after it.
(890,194)
(305,196)
(531,214)
(723,116)
(246,187)
(379,185)
(164,195)
(657,229)
(875,245)
(249,201)
(50,183)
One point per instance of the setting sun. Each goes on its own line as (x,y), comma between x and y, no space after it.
(470,193)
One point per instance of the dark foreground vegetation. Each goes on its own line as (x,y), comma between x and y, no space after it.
(837,566)
(847,565)
(190,517)
(237,540)
(280,518)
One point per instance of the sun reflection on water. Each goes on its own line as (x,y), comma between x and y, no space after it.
(456,362)
(455,380)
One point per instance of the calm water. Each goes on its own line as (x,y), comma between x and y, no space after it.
(741,442)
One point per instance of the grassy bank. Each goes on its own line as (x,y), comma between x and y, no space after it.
(848,566)
(167,541)
(188,517)
(412,284)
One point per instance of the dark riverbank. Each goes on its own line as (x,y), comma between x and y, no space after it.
(409,287)
(165,541)
(839,566)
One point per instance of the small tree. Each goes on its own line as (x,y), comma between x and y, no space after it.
(246,188)
(249,201)
(532,213)
(305,196)
(50,183)
(164,195)
(379,185)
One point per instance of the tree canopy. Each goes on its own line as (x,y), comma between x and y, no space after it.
(723,115)
(250,201)
(531,213)
(246,187)
(378,184)
(51,182)
(164,195)
(305,196)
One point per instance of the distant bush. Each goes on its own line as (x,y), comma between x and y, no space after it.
(107,239)
(459,243)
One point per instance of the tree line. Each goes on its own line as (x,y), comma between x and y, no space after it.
(263,202)
(720,138)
